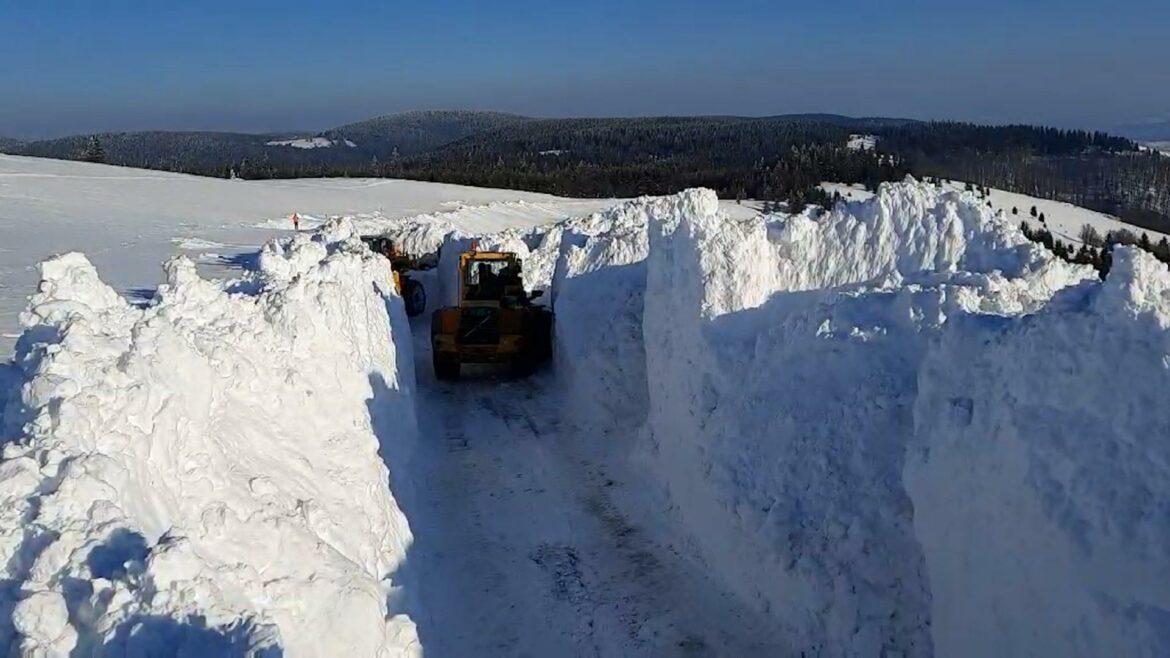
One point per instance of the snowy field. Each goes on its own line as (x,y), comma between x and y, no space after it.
(893,428)
(129,221)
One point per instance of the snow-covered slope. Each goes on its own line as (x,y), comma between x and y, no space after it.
(311,143)
(203,474)
(860,142)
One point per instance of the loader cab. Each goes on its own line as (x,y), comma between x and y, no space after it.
(494,322)
(492,278)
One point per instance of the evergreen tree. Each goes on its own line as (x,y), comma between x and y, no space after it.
(93,151)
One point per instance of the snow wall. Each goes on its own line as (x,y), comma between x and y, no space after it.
(898,426)
(202,475)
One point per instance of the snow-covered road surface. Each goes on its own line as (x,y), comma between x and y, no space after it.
(520,550)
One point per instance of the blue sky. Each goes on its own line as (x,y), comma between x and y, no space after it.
(72,66)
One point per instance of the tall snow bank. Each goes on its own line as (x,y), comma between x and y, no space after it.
(782,362)
(597,290)
(203,474)
(1040,474)
(774,418)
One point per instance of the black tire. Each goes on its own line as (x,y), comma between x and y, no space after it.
(523,364)
(446,367)
(414,296)
(538,337)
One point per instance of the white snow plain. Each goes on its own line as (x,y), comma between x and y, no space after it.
(129,221)
(896,427)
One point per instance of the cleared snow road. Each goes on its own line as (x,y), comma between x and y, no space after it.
(519,551)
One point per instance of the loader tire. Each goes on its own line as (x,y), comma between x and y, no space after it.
(523,364)
(414,296)
(446,367)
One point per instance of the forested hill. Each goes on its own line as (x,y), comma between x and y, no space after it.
(409,133)
(785,157)
(331,152)
(772,158)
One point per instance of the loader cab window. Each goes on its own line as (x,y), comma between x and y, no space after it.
(486,280)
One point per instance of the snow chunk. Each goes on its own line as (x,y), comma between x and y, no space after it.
(205,470)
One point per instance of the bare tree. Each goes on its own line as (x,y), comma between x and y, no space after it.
(1091,236)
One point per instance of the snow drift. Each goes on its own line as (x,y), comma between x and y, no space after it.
(203,474)
(826,398)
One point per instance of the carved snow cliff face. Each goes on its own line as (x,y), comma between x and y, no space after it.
(802,388)
(204,471)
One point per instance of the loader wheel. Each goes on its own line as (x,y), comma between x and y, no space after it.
(415,297)
(446,367)
(523,364)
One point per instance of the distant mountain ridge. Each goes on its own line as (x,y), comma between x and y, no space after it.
(358,145)
(394,135)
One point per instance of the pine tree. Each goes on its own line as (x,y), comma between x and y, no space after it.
(93,151)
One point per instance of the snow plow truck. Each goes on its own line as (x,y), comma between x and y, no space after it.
(495,321)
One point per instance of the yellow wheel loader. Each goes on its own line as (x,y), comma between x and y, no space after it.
(495,321)
(412,292)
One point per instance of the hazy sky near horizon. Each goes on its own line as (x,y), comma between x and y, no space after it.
(72,66)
